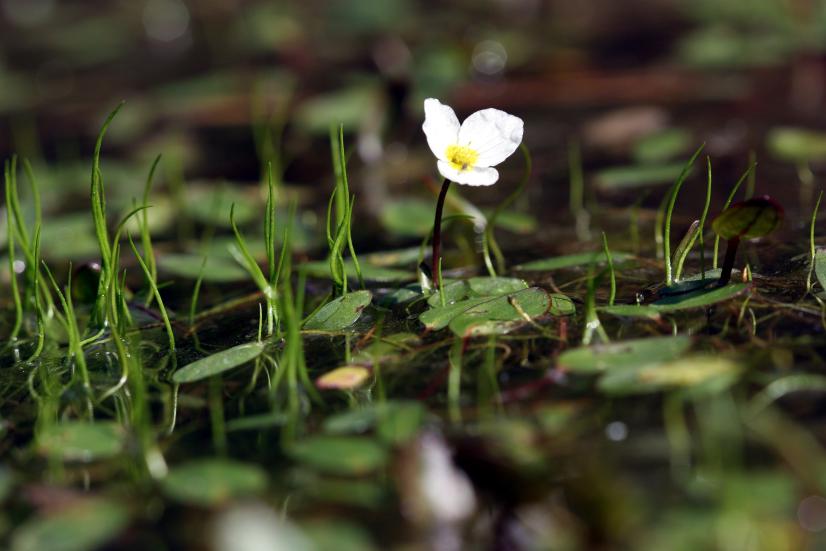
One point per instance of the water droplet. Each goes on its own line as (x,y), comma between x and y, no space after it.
(616,431)
(165,20)
(489,57)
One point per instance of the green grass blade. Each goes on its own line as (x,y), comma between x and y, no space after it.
(672,200)
(154,286)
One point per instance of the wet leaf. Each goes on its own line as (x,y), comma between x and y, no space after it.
(704,297)
(797,145)
(346,377)
(619,355)
(386,347)
(749,219)
(82,441)
(489,286)
(217,269)
(454,291)
(505,313)
(571,261)
(631,311)
(83,526)
(219,362)
(340,313)
(533,301)
(342,455)
(701,373)
(208,482)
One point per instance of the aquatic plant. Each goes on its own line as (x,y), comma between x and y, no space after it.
(466,153)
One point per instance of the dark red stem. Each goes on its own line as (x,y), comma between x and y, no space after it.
(437,233)
(728,263)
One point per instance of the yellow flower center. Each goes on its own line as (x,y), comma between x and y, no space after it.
(461,158)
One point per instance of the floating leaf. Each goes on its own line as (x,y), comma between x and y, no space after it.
(213,481)
(83,526)
(321,269)
(533,301)
(348,107)
(217,269)
(210,204)
(340,454)
(82,441)
(219,362)
(489,286)
(408,217)
(749,219)
(702,298)
(663,145)
(71,237)
(571,261)
(515,221)
(340,313)
(386,347)
(400,295)
(619,355)
(702,373)
(395,422)
(797,145)
(631,311)
(454,291)
(346,377)
(632,177)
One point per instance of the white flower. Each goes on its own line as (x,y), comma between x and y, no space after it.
(467,154)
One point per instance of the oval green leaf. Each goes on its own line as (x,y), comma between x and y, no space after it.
(342,455)
(82,441)
(340,313)
(477,310)
(83,526)
(618,355)
(209,482)
(216,269)
(755,217)
(219,362)
(571,261)
(701,298)
(797,145)
(700,373)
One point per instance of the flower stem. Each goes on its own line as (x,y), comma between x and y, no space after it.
(728,262)
(437,233)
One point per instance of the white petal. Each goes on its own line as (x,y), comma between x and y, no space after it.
(440,126)
(493,133)
(477,176)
